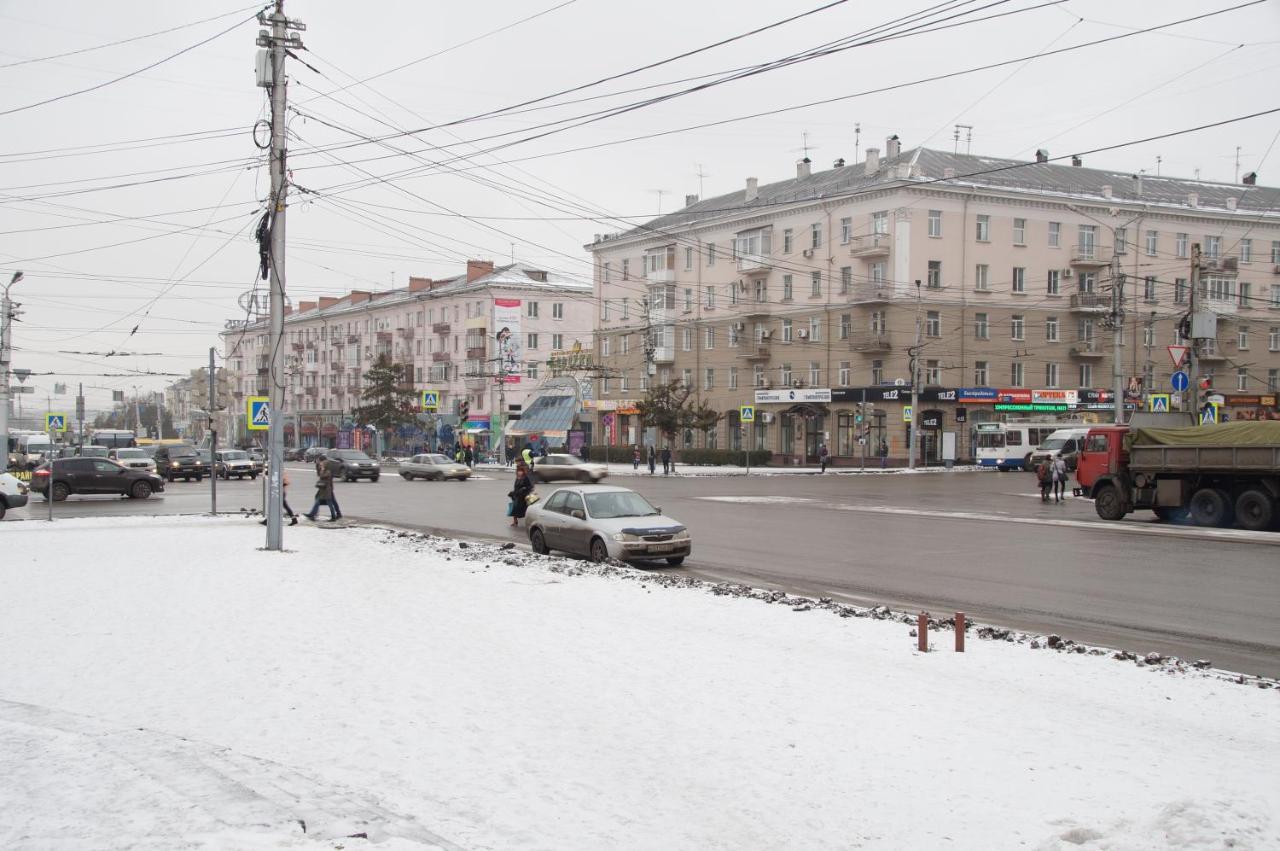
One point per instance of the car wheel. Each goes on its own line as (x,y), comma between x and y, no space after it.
(374,479)
(140,490)
(538,541)
(599,552)
(170,477)
(675,561)
(60,491)
(434,477)
(1254,510)
(1211,507)
(406,477)
(199,479)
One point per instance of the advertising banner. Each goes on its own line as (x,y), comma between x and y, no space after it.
(506,323)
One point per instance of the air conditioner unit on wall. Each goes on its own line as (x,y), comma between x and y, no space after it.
(795,382)
(766,417)
(1066,274)
(808,252)
(803,333)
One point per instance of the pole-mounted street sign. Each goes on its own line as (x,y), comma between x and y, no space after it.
(430,400)
(747,413)
(259,413)
(55,422)
(1178,354)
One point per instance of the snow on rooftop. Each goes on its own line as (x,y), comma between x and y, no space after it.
(433,696)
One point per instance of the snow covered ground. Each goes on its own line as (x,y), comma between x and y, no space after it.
(164,683)
(872,469)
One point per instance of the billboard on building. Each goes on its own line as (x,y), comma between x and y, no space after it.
(506,324)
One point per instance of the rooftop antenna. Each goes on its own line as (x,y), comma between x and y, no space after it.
(857,138)
(804,145)
(701,175)
(1197,174)
(659,193)
(1237,179)
(1159,159)
(968,138)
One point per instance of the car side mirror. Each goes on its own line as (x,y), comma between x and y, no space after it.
(578,513)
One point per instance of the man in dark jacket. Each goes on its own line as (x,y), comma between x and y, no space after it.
(519,495)
(666,460)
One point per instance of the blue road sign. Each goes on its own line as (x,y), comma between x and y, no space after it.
(430,400)
(259,413)
(55,422)
(1180,381)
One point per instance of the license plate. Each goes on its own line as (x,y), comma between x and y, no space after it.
(661,548)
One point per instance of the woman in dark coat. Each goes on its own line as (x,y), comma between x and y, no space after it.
(518,494)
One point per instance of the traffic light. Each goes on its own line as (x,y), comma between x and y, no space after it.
(1206,383)
(858,417)
(464,408)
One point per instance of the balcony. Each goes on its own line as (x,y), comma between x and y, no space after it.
(871,246)
(661,276)
(405,333)
(1091,302)
(1090,256)
(475,353)
(664,354)
(1089,347)
(264,370)
(313,392)
(1220,265)
(870,292)
(476,382)
(337,341)
(750,263)
(755,351)
(385,336)
(1209,353)
(441,328)
(353,338)
(441,357)
(297,347)
(870,343)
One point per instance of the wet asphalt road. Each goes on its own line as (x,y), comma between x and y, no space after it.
(978,542)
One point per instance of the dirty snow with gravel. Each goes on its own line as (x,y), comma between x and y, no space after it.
(166,683)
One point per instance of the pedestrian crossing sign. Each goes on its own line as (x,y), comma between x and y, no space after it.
(906,413)
(430,400)
(747,413)
(1158,402)
(259,413)
(55,422)
(1209,414)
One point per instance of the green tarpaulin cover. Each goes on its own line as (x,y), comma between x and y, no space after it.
(1250,433)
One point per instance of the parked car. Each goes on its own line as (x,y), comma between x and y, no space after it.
(555,468)
(237,463)
(65,476)
(602,522)
(314,453)
(433,468)
(180,461)
(352,464)
(134,458)
(1064,442)
(259,460)
(13,493)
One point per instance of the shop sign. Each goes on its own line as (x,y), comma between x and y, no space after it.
(622,406)
(931,419)
(1056,397)
(1030,408)
(786,397)
(893,394)
(1013,396)
(1265,401)
(976,395)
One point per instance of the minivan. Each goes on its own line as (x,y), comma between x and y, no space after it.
(1064,442)
(32,450)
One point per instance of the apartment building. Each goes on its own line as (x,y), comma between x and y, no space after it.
(445,331)
(803,298)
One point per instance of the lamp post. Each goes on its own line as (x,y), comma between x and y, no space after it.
(6,311)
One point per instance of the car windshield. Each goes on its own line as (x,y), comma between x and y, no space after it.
(182,452)
(560,459)
(350,455)
(618,504)
(438,459)
(131,453)
(234,456)
(93,451)
(1054,443)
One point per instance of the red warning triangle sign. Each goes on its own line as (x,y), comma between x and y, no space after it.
(1178,354)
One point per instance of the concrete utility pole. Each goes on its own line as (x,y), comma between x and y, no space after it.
(276,42)
(6,319)
(160,415)
(213,441)
(1117,337)
(1193,357)
(915,387)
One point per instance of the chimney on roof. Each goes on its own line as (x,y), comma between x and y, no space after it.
(1077,162)
(419,284)
(1042,155)
(753,190)
(948,173)
(288,309)
(838,163)
(1193,199)
(1106,190)
(304,306)
(1231,204)
(1250,179)
(872,164)
(358,296)
(802,168)
(892,147)
(478,269)
(690,200)
(327,301)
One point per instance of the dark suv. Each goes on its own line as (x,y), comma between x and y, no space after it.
(65,476)
(180,461)
(352,464)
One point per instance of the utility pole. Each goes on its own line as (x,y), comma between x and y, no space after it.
(160,415)
(1117,338)
(915,387)
(213,441)
(6,319)
(276,43)
(137,412)
(1193,357)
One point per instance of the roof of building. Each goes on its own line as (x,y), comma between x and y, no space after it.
(922,166)
(550,415)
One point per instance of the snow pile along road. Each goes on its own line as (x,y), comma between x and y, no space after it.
(427,693)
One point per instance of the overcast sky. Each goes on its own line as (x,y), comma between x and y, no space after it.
(116,228)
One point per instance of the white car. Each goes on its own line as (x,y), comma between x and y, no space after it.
(137,459)
(560,467)
(603,522)
(433,468)
(236,462)
(13,493)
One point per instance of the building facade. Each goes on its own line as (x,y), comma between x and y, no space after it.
(479,342)
(805,298)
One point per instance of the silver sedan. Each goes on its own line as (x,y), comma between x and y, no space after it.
(603,522)
(433,468)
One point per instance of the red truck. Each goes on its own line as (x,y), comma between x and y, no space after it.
(1215,475)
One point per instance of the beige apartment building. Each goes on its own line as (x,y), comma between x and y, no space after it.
(445,331)
(803,298)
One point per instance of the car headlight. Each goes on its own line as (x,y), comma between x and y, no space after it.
(175,464)
(626,538)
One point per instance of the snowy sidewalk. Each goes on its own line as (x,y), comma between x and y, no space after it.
(164,683)
(873,469)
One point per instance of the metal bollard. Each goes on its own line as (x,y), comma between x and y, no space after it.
(959,632)
(922,632)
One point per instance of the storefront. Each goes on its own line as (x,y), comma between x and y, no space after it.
(1250,406)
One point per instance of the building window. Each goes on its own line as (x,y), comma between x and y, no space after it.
(1053,286)
(934,275)
(1149,288)
(531,341)
(1122,240)
(843,374)
(686,378)
(1273,339)
(1153,242)
(1246,294)
(688,259)
(688,299)
(762,291)
(1055,234)
(1242,378)
(982,277)
(786,330)
(1017,327)
(785,373)
(1086,375)
(604,346)
(709,298)
(1273,379)
(846,279)
(734,335)
(1019,231)
(709,338)
(935,223)
(933,324)
(787,288)
(932,373)
(1180,290)
(1051,329)
(1086,281)
(877,273)
(1275,251)
(815,284)
(733,378)
(846,325)
(1051,375)
(815,374)
(877,371)
(1019,282)
(880,222)
(711,254)
(1148,335)
(533,310)
(1242,337)
(626,270)
(815,235)
(788,241)
(984,228)
(1213,247)
(846,230)
(1246,251)
(1180,245)
(626,308)
(757,376)
(815,329)
(531,370)
(980,369)
(879,322)
(557,341)
(708,379)
(981,330)
(1275,296)
(686,339)
(1015,374)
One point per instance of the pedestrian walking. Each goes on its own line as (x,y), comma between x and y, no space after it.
(284,501)
(635,457)
(823,456)
(653,459)
(519,494)
(1044,475)
(470,456)
(324,493)
(666,460)
(884,453)
(1059,479)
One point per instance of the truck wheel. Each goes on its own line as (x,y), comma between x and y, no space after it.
(1107,503)
(1255,510)
(1210,507)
